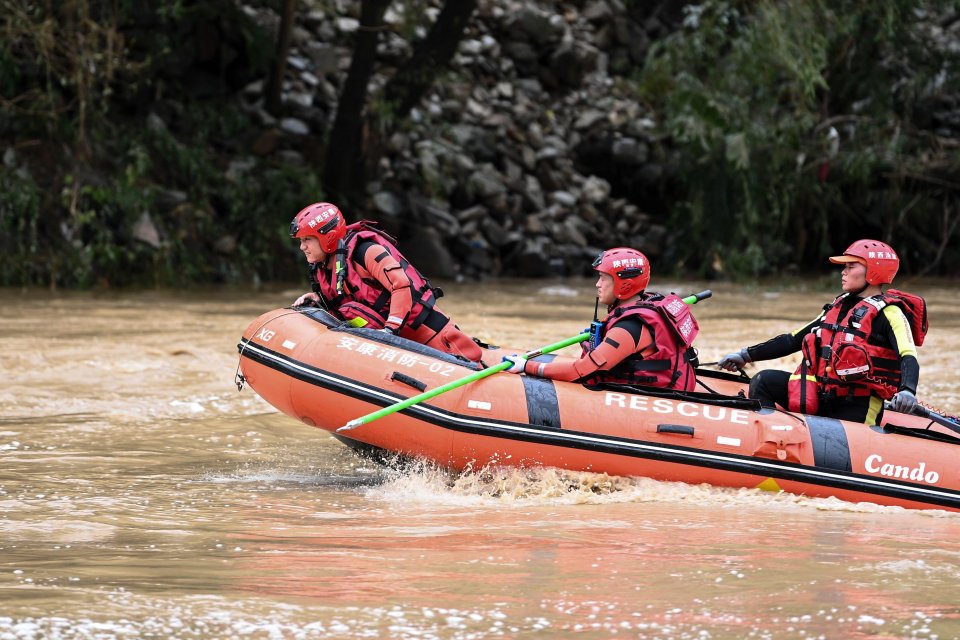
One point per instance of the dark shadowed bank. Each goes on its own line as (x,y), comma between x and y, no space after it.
(171,142)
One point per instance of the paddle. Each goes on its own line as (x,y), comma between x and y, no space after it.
(403,404)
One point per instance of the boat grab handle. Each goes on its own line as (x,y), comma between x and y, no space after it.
(407,380)
(681,429)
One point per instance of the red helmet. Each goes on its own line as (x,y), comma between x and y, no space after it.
(323,221)
(879,257)
(629,269)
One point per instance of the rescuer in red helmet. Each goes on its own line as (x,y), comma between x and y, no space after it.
(859,352)
(358,273)
(646,338)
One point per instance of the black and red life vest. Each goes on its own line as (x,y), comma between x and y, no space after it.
(345,285)
(840,358)
(674,328)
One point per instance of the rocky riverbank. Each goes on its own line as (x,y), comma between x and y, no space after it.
(752,144)
(509,161)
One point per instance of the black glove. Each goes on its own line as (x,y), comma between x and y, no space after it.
(736,360)
(307,300)
(903,401)
(389,330)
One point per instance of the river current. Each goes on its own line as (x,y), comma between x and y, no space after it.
(143,496)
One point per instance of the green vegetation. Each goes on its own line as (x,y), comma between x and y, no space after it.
(784,125)
(85,190)
(790,123)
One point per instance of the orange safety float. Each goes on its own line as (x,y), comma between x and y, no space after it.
(325,373)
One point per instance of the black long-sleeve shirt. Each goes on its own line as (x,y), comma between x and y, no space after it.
(890,328)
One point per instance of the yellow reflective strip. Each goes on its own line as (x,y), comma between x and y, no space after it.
(901,330)
(876,404)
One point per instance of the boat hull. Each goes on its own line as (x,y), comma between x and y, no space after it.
(314,369)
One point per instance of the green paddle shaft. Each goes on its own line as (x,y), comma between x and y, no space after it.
(403,404)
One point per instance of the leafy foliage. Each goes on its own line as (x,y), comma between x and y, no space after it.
(19,217)
(788,129)
(90,159)
(787,140)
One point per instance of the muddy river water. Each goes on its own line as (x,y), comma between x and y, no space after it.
(142,495)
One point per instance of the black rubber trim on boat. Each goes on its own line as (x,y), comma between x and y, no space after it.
(680,429)
(572,439)
(830,447)
(543,407)
(410,381)
(316,376)
(696,457)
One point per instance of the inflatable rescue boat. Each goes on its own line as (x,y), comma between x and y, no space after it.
(319,370)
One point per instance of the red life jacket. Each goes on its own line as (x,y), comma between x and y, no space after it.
(671,366)
(915,309)
(346,285)
(838,358)
(358,314)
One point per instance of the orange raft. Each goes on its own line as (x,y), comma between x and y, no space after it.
(316,369)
